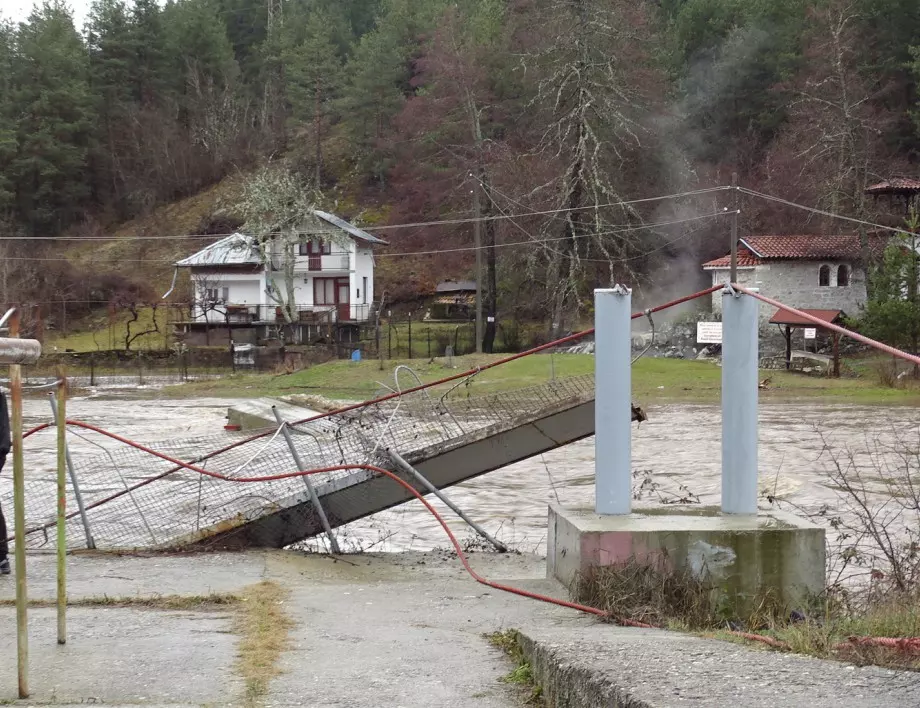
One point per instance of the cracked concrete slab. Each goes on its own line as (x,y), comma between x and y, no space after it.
(392,630)
(97,574)
(124,656)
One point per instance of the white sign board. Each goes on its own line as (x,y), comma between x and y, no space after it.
(810,332)
(709,332)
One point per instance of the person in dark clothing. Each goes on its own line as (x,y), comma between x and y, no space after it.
(5,446)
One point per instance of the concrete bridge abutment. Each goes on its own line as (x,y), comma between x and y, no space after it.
(743,554)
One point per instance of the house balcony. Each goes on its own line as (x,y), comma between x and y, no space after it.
(243,315)
(339,262)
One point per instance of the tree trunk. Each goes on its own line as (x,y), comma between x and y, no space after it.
(316,129)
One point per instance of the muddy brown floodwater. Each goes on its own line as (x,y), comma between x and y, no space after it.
(678,449)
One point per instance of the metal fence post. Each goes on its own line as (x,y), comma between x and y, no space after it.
(61,416)
(19,514)
(613,401)
(90,543)
(314,499)
(401,462)
(739,402)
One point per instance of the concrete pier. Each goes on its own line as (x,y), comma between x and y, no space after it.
(741,554)
(742,557)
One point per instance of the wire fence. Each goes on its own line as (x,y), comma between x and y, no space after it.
(136,500)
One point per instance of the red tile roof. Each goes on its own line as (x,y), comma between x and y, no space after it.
(895,184)
(783,317)
(841,247)
(746,259)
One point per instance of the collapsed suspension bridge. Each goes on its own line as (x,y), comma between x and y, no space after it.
(241,492)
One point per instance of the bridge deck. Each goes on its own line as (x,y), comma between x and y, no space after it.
(139,501)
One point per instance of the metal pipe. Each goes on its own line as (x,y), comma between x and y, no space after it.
(314,499)
(90,543)
(401,462)
(19,511)
(739,403)
(612,401)
(7,315)
(733,270)
(61,421)
(19,351)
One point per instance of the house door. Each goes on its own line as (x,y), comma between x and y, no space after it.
(343,304)
(316,249)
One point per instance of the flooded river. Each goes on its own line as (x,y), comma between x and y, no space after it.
(676,453)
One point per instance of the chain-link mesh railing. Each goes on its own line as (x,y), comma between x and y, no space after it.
(137,500)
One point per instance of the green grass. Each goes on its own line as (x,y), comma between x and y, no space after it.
(827,636)
(654,380)
(99,335)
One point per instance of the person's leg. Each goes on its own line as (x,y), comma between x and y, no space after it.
(4,547)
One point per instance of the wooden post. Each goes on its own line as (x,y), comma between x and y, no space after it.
(410,335)
(836,355)
(788,347)
(477,240)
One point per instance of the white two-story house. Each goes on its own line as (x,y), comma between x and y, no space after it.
(237,282)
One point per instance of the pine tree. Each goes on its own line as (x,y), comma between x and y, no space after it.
(313,73)
(150,72)
(111,63)
(7,119)
(56,116)
(380,77)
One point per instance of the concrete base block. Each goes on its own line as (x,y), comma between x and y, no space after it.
(741,556)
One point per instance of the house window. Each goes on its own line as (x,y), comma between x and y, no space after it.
(843,276)
(303,249)
(323,291)
(824,276)
(225,294)
(365,289)
(217,295)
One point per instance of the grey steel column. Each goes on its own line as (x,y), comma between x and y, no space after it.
(333,544)
(612,401)
(739,402)
(401,462)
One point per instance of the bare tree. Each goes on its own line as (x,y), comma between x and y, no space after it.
(590,106)
(207,300)
(836,126)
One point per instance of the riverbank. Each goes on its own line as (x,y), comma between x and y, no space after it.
(276,628)
(655,380)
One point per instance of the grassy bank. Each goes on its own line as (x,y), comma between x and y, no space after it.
(680,601)
(654,380)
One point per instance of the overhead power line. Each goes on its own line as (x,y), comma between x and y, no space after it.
(386,227)
(538,242)
(822,212)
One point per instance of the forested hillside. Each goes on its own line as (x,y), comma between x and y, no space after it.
(400,111)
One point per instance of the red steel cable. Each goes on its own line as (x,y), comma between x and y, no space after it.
(470,372)
(829,325)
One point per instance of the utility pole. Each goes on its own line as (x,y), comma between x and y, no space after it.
(734,251)
(477,238)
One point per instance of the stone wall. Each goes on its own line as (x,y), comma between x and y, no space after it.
(795,283)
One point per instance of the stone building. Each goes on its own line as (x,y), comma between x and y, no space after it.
(806,272)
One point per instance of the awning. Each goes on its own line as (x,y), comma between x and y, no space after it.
(782,317)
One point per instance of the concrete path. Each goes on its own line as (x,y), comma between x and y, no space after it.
(390,630)
(600,665)
(404,630)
